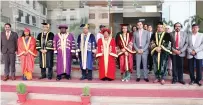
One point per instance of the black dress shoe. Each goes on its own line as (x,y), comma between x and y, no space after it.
(68,77)
(146,80)
(109,79)
(104,79)
(83,78)
(42,77)
(58,79)
(89,79)
(138,79)
(49,78)
(198,83)
(191,82)
(182,82)
(173,81)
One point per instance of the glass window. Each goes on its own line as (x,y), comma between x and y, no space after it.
(27,1)
(72,18)
(34,20)
(27,19)
(105,15)
(44,10)
(91,16)
(20,15)
(34,5)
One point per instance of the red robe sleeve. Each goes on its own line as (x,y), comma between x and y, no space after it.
(21,49)
(113,48)
(99,48)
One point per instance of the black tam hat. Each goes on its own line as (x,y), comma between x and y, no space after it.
(84,25)
(160,23)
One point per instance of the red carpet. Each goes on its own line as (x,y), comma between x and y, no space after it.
(49,102)
(110,92)
(96,80)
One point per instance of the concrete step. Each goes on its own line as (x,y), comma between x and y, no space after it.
(108,92)
(76,72)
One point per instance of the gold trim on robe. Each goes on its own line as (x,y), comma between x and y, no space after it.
(21,53)
(125,44)
(63,48)
(44,54)
(83,49)
(106,52)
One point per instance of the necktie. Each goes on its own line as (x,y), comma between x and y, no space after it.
(177,40)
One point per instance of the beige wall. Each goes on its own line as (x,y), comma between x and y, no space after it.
(199,6)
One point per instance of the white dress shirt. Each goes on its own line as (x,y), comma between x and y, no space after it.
(194,39)
(8,34)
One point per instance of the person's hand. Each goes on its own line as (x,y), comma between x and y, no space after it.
(123,50)
(178,52)
(193,53)
(25,53)
(158,49)
(42,51)
(175,51)
(126,53)
(140,51)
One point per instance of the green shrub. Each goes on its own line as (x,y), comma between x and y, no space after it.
(21,88)
(86,91)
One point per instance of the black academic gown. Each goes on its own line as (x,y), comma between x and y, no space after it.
(45,42)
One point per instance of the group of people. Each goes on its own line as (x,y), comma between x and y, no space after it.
(141,43)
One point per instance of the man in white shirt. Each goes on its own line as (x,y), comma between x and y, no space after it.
(179,46)
(99,35)
(195,53)
(141,44)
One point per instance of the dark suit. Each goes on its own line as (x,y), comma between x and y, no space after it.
(178,60)
(8,48)
(150,60)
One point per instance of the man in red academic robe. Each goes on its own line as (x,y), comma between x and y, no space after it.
(106,53)
(27,53)
(125,45)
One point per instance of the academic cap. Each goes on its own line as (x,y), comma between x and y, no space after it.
(45,23)
(124,25)
(84,25)
(160,23)
(63,26)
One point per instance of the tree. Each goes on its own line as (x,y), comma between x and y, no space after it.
(2,28)
(169,23)
(75,27)
(192,20)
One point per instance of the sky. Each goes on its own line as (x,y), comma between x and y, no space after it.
(178,11)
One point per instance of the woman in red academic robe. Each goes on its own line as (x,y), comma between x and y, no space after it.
(27,53)
(106,53)
(125,45)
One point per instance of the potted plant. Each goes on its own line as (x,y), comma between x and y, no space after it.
(21,92)
(85,97)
